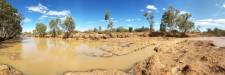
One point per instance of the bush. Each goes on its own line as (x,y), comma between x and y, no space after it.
(142,29)
(121,29)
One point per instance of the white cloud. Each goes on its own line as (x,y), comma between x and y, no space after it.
(130,20)
(133,20)
(224,5)
(183,12)
(26,20)
(210,22)
(43,17)
(151,7)
(46,13)
(163,9)
(39,8)
(59,13)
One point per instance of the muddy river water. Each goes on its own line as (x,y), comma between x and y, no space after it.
(45,56)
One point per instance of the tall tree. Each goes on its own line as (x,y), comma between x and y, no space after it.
(68,26)
(149,16)
(10,21)
(169,18)
(184,23)
(130,29)
(54,29)
(163,24)
(40,29)
(107,19)
(100,28)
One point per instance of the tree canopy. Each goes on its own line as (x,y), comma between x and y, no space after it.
(10,21)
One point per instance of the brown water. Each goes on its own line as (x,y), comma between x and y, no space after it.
(44,56)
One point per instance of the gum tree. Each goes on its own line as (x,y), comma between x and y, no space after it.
(40,29)
(149,16)
(107,19)
(10,21)
(54,29)
(68,26)
(184,23)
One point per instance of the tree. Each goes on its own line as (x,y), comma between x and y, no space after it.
(130,29)
(163,24)
(68,26)
(121,29)
(100,28)
(10,21)
(95,30)
(107,19)
(184,23)
(150,18)
(169,18)
(40,29)
(54,29)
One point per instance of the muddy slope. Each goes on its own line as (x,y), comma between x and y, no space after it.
(185,58)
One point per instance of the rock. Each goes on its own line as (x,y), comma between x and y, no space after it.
(156,49)
(9,70)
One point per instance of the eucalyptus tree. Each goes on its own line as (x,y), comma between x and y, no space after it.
(150,17)
(184,23)
(100,28)
(40,29)
(68,26)
(169,18)
(108,19)
(163,24)
(10,21)
(54,27)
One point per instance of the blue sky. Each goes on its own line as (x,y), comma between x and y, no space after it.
(88,14)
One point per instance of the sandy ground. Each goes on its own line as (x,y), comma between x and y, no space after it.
(124,46)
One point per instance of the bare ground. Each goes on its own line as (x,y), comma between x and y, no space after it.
(184,58)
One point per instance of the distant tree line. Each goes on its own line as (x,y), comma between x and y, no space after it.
(56,28)
(10,21)
(215,32)
(173,22)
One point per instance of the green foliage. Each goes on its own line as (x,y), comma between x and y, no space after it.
(95,30)
(130,29)
(172,20)
(107,15)
(216,32)
(68,26)
(163,24)
(54,29)
(40,29)
(142,29)
(10,21)
(100,28)
(184,23)
(107,19)
(121,29)
(169,18)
